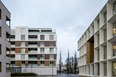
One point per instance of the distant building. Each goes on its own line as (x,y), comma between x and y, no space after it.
(4,41)
(97,46)
(34,50)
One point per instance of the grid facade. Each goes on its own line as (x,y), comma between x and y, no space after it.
(97,46)
(34,50)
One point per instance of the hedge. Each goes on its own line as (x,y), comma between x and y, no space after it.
(23,74)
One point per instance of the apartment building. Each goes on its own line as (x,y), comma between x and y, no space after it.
(97,46)
(4,41)
(33,50)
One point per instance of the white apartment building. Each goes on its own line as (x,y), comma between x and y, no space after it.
(97,46)
(4,41)
(34,50)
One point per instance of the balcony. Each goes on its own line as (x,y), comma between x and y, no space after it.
(32,44)
(41,58)
(32,63)
(32,57)
(32,37)
(32,51)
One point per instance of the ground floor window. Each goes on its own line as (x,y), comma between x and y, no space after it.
(105,69)
(114,68)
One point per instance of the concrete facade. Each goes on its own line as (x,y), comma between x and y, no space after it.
(4,41)
(97,46)
(34,50)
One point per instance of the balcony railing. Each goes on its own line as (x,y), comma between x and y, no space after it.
(33,58)
(41,64)
(34,45)
(32,65)
(32,38)
(41,58)
(32,51)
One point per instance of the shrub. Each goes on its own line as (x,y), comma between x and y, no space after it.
(23,74)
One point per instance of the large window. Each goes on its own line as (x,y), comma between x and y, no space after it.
(51,50)
(114,68)
(105,69)
(98,23)
(114,49)
(98,54)
(42,43)
(51,37)
(41,50)
(105,35)
(0,66)
(41,63)
(105,52)
(51,63)
(51,43)
(98,69)
(22,37)
(42,37)
(114,7)
(114,29)
(98,38)
(105,17)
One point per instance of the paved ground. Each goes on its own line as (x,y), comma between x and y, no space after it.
(59,75)
(67,75)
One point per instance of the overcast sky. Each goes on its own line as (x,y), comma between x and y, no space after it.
(69,18)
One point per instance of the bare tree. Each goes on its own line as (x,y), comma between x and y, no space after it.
(75,62)
(60,62)
(68,63)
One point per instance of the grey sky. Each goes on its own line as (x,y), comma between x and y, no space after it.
(69,18)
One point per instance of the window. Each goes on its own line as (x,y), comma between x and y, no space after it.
(42,37)
(51,50)
(7,21)
(93,69)
(0,67)
(7,67)
(114,29)
(51,63)
(98,69)
(23,50)
(23,44)
(22,37)
(98,23)
(42,43)
(105,52)
(41,56)
(114,68)
(114,7)
(93,29)
(0,31)
(114,49)
(98,54)
(105,69)
(98,38)
(23,63)
(41,63)
(105,17)
(51,43)
(51,57)
(23,57)
(51,37)
(105,35)
(41,50)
